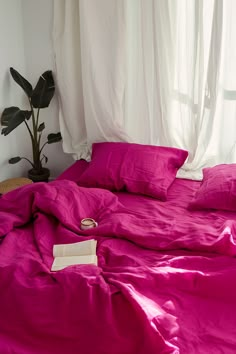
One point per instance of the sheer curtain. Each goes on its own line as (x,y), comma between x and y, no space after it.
(148,71)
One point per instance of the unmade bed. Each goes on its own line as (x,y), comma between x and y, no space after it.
(165,280)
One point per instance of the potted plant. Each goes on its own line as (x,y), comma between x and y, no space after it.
(39,97)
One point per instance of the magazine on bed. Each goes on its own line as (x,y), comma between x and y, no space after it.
(75,253)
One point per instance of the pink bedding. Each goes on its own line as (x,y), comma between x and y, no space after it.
(164,281)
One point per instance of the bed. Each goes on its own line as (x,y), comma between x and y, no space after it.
(164,281)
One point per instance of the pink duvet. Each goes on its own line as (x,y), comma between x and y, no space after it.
(165,281)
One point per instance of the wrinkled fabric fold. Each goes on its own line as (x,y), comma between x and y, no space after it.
(164,281)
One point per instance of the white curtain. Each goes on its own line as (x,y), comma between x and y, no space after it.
(148,71)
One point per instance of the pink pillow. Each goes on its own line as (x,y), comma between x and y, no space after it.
(142,169)
(218,189)
(74,171)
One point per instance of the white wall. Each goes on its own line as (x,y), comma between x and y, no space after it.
(27,46)
(37,29)
(12,54)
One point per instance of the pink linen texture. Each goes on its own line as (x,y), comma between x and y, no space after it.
(141,169)
(165,280)
(218,189)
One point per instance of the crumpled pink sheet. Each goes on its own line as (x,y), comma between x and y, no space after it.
(165,281)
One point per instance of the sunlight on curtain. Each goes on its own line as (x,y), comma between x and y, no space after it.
(195,107)
(153,72)
(214,75)
(181,78)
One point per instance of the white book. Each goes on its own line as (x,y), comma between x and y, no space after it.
(63,262)
(83,252)
(82,248)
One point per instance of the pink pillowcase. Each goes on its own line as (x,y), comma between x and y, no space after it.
(142,169)
(218,189)
(73,172)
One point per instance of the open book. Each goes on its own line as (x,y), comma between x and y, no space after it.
(83,252)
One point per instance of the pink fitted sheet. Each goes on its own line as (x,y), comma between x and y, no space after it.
(164,281)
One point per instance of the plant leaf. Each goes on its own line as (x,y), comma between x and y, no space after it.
(27,114)
(41,127)
(12,117)
(14,160)
(46,158)
(12,112)
(54,138)
(13,122)
(22,82)
(44,90)
(7,114)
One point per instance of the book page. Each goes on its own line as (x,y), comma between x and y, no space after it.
(63,262)
(82,248)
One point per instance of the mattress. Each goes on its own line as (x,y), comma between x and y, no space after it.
(164,281)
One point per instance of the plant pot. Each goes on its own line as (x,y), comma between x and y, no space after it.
(35,176)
